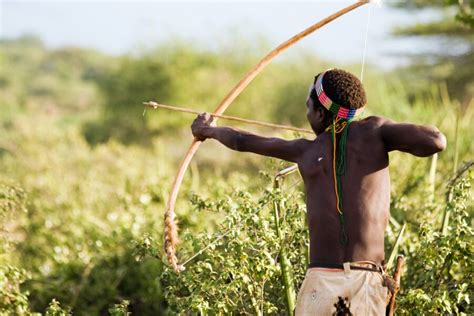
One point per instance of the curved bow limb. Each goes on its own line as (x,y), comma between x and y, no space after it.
(171,228)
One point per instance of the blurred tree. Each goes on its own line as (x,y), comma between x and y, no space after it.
(127,83)
(174,73)
(452,31)
(47,81)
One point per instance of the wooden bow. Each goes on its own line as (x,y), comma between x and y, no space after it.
(171,228)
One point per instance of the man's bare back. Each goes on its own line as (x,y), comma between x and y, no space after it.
(366,192)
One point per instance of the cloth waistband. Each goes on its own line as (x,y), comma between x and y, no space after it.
(358,265)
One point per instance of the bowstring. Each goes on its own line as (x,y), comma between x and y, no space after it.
(364,54)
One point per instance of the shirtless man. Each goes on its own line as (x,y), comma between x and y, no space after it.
(349,267)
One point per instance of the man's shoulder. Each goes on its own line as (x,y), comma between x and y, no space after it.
(372,124)
(374,121)
(303,144)
(370,128)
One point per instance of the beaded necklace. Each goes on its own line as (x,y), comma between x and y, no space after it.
(342,118)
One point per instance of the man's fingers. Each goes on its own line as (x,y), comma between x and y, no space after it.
(207,118)
(210,120)
(205,115)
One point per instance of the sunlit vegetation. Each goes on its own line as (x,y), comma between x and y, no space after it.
(84,179)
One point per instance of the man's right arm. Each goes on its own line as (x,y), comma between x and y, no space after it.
(418,140)
(290,150)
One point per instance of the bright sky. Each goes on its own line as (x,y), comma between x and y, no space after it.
(118,27)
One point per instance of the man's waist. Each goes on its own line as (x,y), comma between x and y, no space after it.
(357,265)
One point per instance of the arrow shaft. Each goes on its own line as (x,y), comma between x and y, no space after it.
(155,105)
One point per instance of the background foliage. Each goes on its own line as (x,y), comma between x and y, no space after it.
(85,177)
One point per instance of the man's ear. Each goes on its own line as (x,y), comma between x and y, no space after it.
(321,114)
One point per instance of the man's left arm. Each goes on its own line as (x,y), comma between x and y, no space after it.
(247,142)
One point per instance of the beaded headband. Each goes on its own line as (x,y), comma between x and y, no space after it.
(338,110)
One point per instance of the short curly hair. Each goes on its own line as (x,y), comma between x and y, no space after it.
(341,87)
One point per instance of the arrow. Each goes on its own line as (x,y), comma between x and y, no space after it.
(155,105)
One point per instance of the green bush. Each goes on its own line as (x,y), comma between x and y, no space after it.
(239,271)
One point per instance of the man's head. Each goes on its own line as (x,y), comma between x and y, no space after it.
(343,88)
